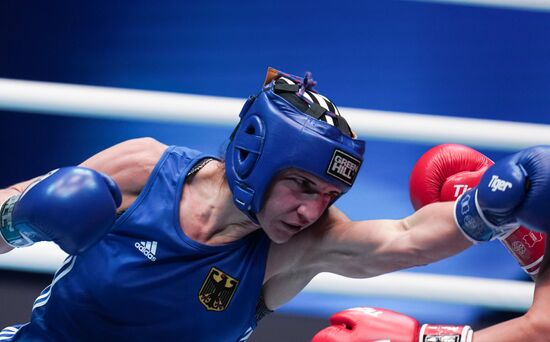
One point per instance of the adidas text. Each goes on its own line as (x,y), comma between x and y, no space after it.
(148,249)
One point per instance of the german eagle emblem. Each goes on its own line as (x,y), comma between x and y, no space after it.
(217,290)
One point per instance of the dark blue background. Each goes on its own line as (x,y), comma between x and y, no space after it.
(389,55)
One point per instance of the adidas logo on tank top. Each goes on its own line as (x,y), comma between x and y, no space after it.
(148,248)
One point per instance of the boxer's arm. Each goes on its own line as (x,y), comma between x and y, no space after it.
(535,324)
(518,329)
(370,248)
(128,163)
(367,324)
(360,249)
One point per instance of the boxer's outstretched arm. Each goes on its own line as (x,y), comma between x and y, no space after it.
(360,249)
(513,191)
(370,248)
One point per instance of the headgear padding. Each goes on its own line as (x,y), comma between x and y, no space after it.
(289,125)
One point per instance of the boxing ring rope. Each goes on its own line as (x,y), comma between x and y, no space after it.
(102,102)
(51,98)
(45,257)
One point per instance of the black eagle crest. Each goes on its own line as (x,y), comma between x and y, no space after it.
(217,290)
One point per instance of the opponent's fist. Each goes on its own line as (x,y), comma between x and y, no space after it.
(516,190)
(445,172)
(366,324)
(72,206)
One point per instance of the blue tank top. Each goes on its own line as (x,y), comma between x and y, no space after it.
(147,281)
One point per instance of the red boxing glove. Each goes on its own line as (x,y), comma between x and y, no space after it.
(366,324)
(445,172)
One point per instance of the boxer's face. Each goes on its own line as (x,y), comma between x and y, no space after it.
(294,201)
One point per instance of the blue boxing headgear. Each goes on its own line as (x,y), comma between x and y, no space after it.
(289,125)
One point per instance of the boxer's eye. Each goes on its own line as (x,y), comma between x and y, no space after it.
(308,187)
(305,185)
(333,195)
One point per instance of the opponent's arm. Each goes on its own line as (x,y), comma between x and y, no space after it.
(365,324)
(371,324)
(535,324)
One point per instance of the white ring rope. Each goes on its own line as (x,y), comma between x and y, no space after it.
(52,98)
(491,293)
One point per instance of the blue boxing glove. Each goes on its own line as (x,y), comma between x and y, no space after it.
(72,206)
(513,192)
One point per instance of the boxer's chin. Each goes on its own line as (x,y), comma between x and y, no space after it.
(278,231)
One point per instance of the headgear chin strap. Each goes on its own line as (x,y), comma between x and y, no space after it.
(289,125)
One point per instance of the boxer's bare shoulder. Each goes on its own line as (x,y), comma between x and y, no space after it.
(129,163)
